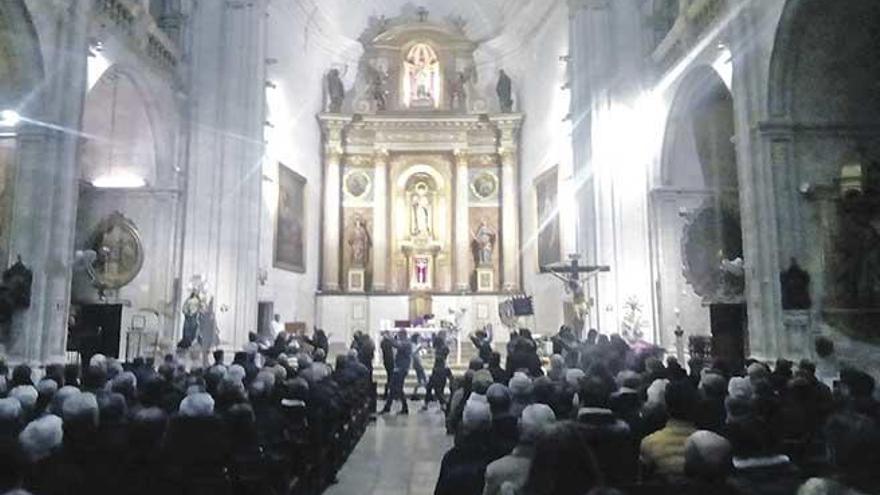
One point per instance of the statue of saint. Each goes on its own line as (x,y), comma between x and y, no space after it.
(505,92)
(192,309)
(360,243)
(377,90)
(484,243)
(421,215)
(457,91)
(335,91)
(795,287)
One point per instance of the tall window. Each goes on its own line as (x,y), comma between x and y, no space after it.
(421,84)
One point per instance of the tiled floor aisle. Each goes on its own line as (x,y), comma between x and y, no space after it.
(398,455)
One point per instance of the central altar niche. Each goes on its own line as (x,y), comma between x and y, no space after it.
(420,184)
(422,225)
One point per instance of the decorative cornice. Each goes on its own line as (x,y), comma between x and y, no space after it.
(576,5)
(358,160)
(787,128)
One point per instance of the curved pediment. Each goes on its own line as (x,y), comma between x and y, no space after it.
(413,64)
(440,34)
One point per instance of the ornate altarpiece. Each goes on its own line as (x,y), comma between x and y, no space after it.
(417,156)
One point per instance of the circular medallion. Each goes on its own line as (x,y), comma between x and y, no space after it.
(485,185)
(358,184)
(119,252)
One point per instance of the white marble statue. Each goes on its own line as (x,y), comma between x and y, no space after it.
(421,215)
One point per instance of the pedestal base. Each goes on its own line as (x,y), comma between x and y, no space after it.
(485,280)
(357,280)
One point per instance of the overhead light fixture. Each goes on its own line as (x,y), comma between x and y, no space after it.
(119,180)
(9,118)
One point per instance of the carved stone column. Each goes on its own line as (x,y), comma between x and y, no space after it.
(462,223)
(332,211)
(380,221)
(43,209)
(510,255)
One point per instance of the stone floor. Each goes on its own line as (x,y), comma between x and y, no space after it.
(398,455)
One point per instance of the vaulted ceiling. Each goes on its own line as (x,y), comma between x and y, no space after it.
(334,26)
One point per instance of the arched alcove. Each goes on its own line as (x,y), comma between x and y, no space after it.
(127,178)
(120,147)
(824,97)
(696,205)
(422,81)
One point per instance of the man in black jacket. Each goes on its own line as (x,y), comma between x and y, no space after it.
(402,362)
(386,346)
(440,373)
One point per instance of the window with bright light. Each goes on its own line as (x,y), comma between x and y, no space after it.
(421,84)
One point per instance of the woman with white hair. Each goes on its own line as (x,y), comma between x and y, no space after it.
(512,470)
(463,468)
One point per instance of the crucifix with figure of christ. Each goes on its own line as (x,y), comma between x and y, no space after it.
(570,274)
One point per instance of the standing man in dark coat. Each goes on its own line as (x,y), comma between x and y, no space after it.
(402,362)
(440,373)
(386,345)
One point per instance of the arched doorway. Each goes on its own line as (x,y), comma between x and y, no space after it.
(825,102)
(126,218)
(696,216)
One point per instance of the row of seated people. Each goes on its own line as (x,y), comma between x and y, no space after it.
(284,426)
(625,424)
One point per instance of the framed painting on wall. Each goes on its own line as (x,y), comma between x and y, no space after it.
(546,195)
(290,249)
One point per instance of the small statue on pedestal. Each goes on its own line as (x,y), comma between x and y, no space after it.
(335,91)
(360,243)
(504,89)
(795,287)
(457,91)
(377,92)
(192,308)
(484,243)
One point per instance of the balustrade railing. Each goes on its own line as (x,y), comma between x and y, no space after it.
(129,19)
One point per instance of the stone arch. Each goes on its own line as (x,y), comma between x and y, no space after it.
(818,55)
(429,170)
(824,100)
(695,203)
(21,61)
(150,124)
(702,89)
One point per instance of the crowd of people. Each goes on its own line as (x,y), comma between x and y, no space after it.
(604,417)
(279,420)
(608,419)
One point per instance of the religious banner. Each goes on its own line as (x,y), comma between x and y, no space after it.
(290,221)
(546,192)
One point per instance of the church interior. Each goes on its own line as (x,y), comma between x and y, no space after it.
(609,246)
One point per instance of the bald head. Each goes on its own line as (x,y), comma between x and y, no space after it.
(707,456)
(476,417)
